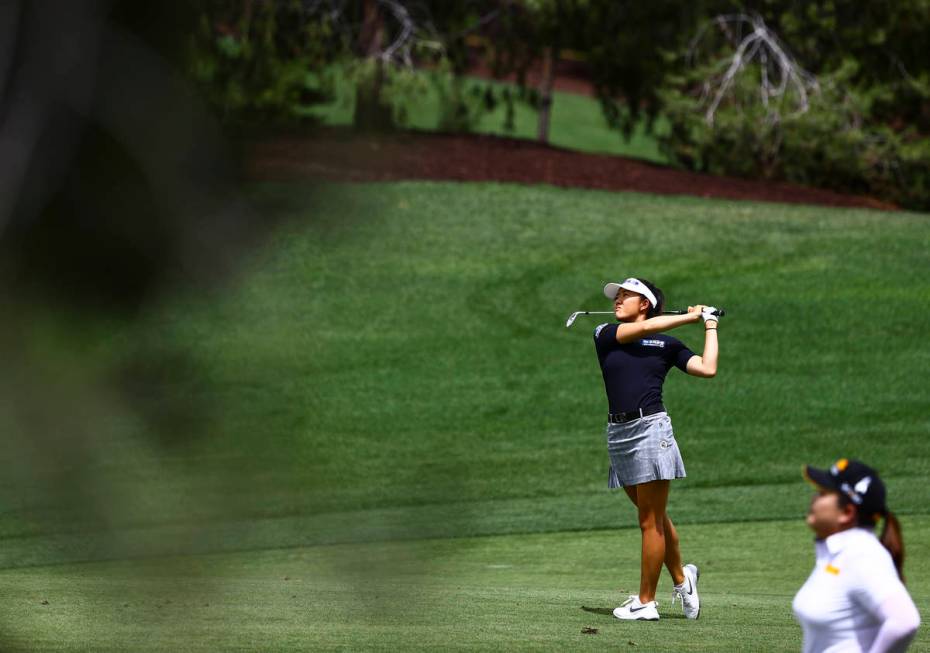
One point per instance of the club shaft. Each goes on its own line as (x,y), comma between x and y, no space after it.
(721,312)
(571,318)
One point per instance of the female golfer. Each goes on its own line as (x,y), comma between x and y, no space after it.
(635,358)
(854,600)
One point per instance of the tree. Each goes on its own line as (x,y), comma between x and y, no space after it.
(252,57)
(624,43)
(749,107)
(781,79)
(627,46)
(371,112)
(886,40)
(530,34)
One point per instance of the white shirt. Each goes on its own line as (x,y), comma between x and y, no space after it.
(846,599)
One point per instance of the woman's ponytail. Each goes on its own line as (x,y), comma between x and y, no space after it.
(891,539)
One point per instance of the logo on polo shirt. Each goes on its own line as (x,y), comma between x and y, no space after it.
(650,342)
(598,329)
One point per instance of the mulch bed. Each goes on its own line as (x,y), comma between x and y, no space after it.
(342,155)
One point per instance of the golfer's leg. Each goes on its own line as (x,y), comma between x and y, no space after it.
(651,499)
(672,549)
(673,553)
(630,492)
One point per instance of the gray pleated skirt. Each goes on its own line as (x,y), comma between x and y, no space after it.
(643,450)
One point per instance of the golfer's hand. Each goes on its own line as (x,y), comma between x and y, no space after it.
(697,310)
(708,314)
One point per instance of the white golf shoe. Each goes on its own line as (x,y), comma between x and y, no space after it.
(634,610)
(687,593)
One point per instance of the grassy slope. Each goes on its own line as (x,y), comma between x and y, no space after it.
(577,121)
(437,323)
(394,365)
(412,335)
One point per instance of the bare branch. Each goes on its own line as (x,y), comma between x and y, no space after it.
(781,74)
(412,27)
(481,22)
(403,41)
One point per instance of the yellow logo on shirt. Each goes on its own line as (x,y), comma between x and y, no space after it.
(830,569)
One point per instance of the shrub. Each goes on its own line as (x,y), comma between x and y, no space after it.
(834,144)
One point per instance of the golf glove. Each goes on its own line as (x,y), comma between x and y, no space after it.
(709,313)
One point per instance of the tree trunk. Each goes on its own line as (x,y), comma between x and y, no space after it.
(371,34)
(545,93)
(371,112)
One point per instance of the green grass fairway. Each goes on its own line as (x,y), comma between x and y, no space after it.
(510,592)
(391,414)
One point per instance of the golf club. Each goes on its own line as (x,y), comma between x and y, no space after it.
(571,318)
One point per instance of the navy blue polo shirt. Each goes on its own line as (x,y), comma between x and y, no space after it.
(634,372)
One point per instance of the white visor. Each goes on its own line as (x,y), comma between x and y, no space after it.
(635,285)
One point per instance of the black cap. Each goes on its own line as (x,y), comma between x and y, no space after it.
(859,482)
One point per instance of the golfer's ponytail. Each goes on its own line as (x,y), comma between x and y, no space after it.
(891,539)
(660,299)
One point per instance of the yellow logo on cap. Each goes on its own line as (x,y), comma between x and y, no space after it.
(842,464)
(830,569)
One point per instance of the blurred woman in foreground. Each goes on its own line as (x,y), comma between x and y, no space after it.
(855,599)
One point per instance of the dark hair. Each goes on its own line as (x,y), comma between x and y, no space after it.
(660,298)
(892,540)
(890,537)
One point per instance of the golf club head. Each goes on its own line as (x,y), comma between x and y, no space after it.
(571,319)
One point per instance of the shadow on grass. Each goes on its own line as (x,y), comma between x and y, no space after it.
(610,612)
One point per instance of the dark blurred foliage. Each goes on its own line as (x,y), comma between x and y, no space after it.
(117,179)
(265,62)
(626,43)
(116,191)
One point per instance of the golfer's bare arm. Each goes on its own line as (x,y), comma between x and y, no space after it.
(633,331)
(704,365)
